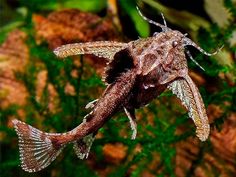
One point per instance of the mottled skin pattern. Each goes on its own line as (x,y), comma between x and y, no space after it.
(136,86)
(111,101)
(137,72)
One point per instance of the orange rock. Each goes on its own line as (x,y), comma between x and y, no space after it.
(74,73)
(214,112)
(41,83)
(114,153)
(197,78)
(53,99)
(224,142)
(70,89)
(14,56)
(72,25)
(12,92)
(200,160)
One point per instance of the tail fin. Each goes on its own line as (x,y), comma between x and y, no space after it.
(36,148)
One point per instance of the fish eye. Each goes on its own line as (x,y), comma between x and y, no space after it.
(174,43)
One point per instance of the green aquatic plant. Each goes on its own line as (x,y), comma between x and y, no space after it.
(157,131)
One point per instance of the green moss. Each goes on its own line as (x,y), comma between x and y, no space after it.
(159,138)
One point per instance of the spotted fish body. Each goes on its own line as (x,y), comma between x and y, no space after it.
(137,72)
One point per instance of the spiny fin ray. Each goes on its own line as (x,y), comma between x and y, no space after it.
(106,49)
(194,104)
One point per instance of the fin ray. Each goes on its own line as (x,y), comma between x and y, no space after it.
(36,148)
(190,97)
(132,120)
(83,146)
(106,49)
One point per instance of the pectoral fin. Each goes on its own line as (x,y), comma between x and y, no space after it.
(187,92)
(91,104)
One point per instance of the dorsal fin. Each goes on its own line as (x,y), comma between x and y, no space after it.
(121,63)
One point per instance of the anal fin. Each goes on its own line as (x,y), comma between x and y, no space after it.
(83,146)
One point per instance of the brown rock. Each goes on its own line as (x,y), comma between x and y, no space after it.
(74,73)
(197,78)
(41,83)
(114,153)
(72,25)
(204,160)
(12,92)
(14,56)
(214,112)
(70,89)
(224,142)
(53,99)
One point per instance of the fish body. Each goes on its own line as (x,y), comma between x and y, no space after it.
(137,72)
(38,149)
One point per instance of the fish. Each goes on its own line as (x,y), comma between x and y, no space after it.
(136,73)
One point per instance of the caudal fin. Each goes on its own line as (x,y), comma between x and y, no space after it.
(36,148)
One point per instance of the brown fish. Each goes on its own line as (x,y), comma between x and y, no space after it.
(137,72)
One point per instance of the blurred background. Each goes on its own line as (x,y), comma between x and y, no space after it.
(51,93)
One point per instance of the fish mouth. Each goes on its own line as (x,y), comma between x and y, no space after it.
(185,89)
